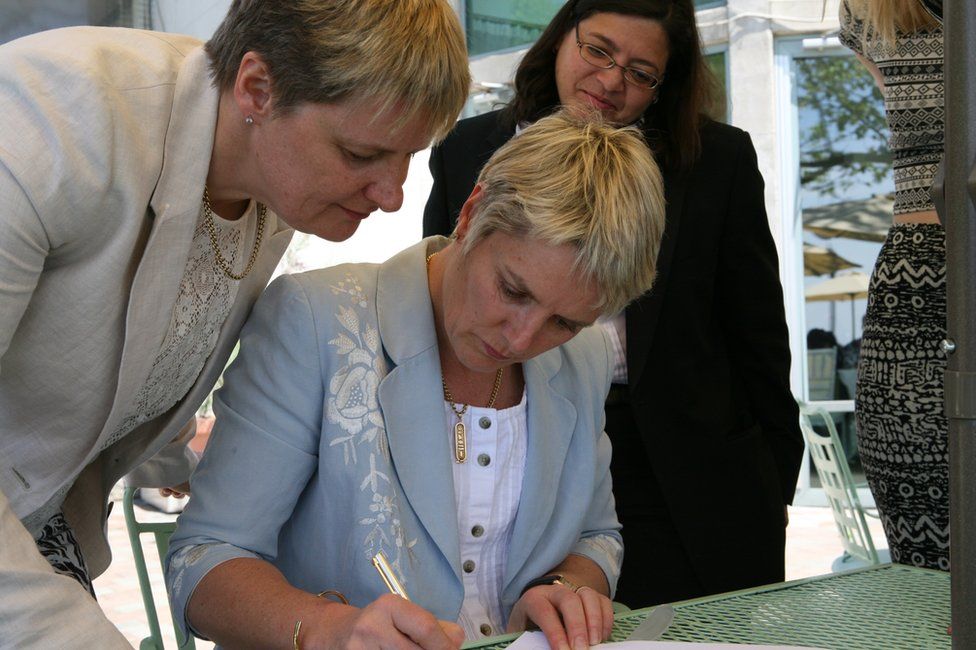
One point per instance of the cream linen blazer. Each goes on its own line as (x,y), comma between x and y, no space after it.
(105,146)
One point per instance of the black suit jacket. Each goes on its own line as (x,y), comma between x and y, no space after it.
(707,353)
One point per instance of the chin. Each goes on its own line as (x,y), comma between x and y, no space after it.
(337,232)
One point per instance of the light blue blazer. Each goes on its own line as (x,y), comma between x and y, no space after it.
(331,444)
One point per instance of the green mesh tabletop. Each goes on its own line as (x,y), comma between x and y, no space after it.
(888,607)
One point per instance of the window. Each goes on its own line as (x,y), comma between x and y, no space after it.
(494,25)
(717,63)
(23,17)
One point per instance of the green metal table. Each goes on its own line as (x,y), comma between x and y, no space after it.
(885,607)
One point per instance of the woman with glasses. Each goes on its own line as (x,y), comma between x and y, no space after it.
(706,440)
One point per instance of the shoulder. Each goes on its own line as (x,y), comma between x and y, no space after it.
(722,140)
(115,55)
(479,125)
(476,131)
(349,285)
(92,99)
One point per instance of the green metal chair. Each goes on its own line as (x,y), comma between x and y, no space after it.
(161,531)
(841,492)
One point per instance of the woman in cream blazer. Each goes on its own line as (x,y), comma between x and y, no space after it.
(149,187)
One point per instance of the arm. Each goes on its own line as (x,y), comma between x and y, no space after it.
(437,221)
(24,246)
(262,453)
(40,608)
(585,616)
(751,305)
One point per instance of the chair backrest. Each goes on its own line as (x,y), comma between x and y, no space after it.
(838,484)
(821,374)
(161,532)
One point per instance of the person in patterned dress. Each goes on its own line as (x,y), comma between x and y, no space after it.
(902,428)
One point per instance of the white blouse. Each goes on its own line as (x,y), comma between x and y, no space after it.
(487,488)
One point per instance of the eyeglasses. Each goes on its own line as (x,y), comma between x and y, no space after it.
(599,58)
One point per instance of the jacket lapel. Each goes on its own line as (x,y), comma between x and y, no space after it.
(175,204)
(551,424)
(642,315)
(411,397)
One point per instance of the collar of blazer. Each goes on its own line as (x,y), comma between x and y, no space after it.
(413,405)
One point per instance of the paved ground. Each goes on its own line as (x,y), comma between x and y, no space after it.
(812,544)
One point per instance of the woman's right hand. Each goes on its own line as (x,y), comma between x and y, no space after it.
(387,622)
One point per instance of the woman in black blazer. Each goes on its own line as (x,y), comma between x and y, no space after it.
(705,430)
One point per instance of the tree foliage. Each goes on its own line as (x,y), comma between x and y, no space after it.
(843,131)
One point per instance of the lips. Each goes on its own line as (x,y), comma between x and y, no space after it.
(494,354)
(599,102)
(356,214)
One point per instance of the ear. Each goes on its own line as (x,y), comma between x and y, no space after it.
(252,88)
(468,212)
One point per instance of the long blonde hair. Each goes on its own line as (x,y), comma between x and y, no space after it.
(887,18)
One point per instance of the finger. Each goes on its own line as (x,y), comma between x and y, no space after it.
(542,609)
(570,606)
(419,625)
(453,631)
(599,614)
(607,619)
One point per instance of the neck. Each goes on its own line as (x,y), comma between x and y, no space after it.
(228,198)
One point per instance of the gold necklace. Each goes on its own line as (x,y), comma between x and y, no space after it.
(222,264)
(460,433)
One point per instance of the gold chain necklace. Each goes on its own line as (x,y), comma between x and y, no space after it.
(460,433)
(222,264)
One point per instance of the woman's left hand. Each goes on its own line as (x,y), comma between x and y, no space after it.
(569,619)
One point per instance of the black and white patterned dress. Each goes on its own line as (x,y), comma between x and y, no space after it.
(901,425)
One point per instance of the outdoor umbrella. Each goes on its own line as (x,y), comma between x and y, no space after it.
(818,260)
(850,286)
(866,219)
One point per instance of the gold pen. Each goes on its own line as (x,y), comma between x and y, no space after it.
(386,572)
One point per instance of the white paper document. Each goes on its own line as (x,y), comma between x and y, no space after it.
(537,641)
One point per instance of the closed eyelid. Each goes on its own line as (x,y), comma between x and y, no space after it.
(610,47)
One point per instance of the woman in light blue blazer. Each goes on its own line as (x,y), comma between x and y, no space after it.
(444,408)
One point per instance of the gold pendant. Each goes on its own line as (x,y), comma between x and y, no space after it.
(460,443)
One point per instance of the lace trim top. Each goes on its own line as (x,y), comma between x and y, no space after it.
(914,94)
(205,298)
(204,301)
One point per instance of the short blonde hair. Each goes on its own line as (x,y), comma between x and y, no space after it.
(574,179)
(408,53)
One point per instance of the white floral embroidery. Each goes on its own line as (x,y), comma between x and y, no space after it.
(352,404)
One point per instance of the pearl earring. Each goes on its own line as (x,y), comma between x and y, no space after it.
(249,120)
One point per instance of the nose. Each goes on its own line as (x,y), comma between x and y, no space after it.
(612,78)
(386,190)
(522,332)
